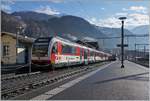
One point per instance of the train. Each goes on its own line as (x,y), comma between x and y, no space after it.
(57,52)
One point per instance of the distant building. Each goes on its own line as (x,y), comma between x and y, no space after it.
(93,45)
(9,53)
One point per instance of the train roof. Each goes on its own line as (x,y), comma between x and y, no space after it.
(68,42)
(72,43)
(78,45)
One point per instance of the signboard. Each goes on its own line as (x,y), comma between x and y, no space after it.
(125,45)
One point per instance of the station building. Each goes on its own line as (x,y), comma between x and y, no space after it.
(12,54)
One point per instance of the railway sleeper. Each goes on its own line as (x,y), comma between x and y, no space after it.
(45,82)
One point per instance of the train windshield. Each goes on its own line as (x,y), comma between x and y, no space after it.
(40,47)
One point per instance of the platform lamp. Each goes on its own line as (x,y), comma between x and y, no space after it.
(122,41)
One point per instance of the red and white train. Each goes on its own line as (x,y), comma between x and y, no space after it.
(57,52)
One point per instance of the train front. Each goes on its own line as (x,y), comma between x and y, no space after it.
(40,52)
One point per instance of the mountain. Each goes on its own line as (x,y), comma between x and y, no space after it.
(30,15)
(144,29)
(38,24)
(32,28)
(67,26)
(112,32)
(75,26)
(10,22)
(141,30)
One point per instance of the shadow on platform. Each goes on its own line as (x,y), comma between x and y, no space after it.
(129,77)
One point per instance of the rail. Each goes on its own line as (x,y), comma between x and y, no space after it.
(143,63)
(30,82)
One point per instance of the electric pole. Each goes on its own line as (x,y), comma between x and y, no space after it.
(122,41)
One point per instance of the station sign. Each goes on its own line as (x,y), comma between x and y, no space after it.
(125,45)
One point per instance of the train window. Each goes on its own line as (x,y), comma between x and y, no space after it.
(96,54)
(40,47)
(91,53)
(66,49)
(73,50)
(54,49)
(43,39)
(41,44)
(40,50)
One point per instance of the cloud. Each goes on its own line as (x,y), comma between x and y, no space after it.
(136,16)
(6,8)
(102,8)
(133,20)
(121,14)
(6,5)
(7,2)
(108,22)
(124,9)
(56,1)
(139,9)
(47,10)
(93,19)
(72,37)
(89,39)
(137,19)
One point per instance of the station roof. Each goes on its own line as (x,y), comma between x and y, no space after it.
(21,38)
(88,44)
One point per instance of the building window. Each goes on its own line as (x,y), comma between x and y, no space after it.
(5,50)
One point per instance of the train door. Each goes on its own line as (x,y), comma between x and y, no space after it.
(59,53)
(54,53)
(81,55)
(85,56)
(88,56)
(94,56)
(59,46)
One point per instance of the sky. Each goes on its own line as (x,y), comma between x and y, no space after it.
(99,12)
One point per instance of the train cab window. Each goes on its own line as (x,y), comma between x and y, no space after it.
(54,49)
(66,49)
(40,46)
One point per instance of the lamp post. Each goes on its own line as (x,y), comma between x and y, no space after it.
(122,41)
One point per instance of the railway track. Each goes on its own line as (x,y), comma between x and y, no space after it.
(11,69)
(21,84)
(13,76)
(143,63)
